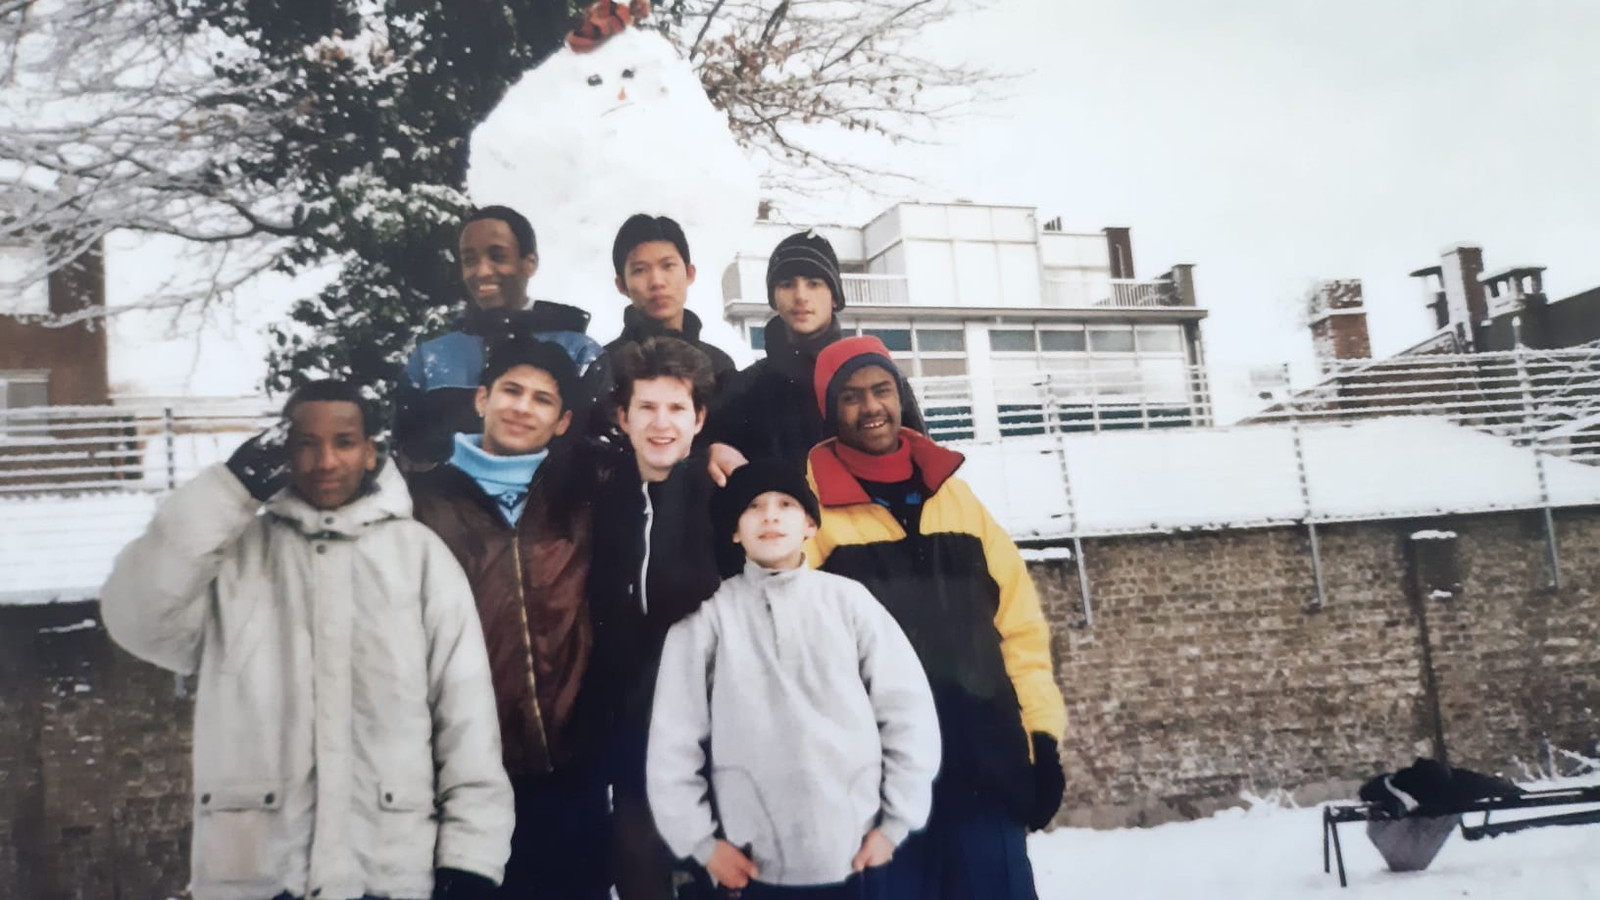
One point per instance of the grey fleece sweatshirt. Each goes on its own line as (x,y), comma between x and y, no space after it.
(819,719)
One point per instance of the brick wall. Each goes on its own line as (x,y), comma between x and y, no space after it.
(75,355)
(1208,671)
(94,763)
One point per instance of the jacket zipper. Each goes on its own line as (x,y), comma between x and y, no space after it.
(644,567)
(527,646)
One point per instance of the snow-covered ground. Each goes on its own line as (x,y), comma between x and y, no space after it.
(1271,853)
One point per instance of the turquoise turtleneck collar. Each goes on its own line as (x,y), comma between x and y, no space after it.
(504,478)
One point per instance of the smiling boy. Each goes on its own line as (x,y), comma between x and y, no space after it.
(498,255)
(513,508)
(345,741)
(896,518)
(653,529)
(812,705)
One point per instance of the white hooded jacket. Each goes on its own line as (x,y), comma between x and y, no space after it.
(345,735)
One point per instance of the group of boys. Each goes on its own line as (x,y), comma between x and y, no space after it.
(630,620)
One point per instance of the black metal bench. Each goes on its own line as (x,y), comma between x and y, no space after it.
(1336,814)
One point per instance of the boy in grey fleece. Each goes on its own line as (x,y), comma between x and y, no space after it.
(810,703)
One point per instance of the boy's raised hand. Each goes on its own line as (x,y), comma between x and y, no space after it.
(875,851)
(730,868)
(262,463)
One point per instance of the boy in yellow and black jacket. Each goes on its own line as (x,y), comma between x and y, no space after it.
(895,518)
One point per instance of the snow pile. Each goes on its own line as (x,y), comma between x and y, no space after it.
(1174,479)
(1269,853)
(60,548)
(587,139)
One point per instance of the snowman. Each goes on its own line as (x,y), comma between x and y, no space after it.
(587,139)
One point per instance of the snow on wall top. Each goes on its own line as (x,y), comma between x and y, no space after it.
(587,139)
(1175,479)
(60,548)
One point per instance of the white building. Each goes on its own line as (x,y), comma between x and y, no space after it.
(1007,327)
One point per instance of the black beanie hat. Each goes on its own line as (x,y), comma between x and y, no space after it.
(804,253)
(750,481)
(506,354)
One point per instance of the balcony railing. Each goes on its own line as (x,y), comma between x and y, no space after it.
(1115,293)
(875,290)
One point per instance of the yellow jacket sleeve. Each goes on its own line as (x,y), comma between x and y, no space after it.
(1024,633)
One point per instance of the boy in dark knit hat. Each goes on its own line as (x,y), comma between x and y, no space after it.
(895,518)
(811,701)
(770,411)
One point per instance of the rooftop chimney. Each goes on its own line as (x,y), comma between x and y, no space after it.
(1119,247)
(1338,322)
(1465,306)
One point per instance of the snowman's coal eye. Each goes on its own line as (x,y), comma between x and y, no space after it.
(627,73)
(594,80)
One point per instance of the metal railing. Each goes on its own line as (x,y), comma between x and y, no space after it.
(1549,399)
(1544,398)
(1115,293)
(77,483)
(875,290)
(1115,447)
(66,449)
(1065,402)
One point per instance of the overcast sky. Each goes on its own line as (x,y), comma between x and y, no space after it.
(1272,142)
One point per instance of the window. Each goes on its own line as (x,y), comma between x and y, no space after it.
(1011,340)
(20,390)
(898,340)
(1111,340)
(941,340)
(758,337)
(943,367)
(1054,340)
(1159,339)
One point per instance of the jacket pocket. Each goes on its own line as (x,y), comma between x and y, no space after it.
(403,797)
(242,796)
(238,834)
(408,829)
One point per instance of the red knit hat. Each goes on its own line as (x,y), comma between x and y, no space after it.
(840,359)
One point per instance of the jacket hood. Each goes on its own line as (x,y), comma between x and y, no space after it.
(385,497)
(838,486)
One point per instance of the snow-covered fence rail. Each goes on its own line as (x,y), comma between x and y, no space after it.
(1544,398)
(1547,399)
(78,482)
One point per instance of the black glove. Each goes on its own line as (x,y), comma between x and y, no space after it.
(454,884)
(1049,783)
(262,463)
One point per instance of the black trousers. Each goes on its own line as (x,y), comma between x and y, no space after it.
(561,845)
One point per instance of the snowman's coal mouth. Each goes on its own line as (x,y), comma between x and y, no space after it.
(623,105)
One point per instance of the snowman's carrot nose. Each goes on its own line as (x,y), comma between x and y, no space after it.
(622,94)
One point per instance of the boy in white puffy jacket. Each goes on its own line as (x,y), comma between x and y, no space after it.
(811,705)
(345,737)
